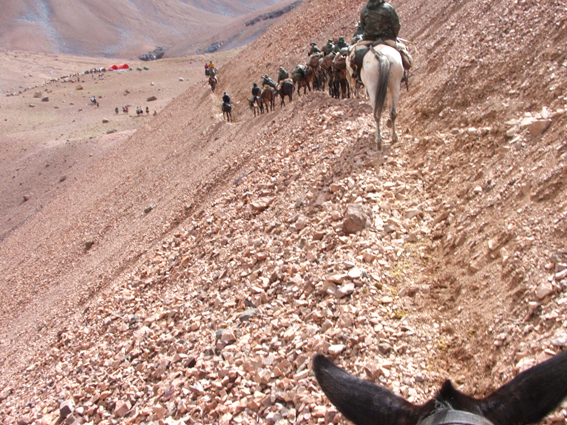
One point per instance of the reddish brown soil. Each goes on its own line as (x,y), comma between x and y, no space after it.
(480,291)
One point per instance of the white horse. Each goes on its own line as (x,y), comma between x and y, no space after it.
(382,71)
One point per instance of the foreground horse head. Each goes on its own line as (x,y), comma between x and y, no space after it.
(382,70)
(526,399)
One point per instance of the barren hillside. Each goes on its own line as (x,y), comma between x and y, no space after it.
(190,277)
(115,28)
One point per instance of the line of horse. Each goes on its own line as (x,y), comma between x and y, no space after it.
(381,72)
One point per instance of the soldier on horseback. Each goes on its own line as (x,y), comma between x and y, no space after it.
(341,44)
(256,90)
(328,48)
(314,49)
(226,98)
(380,23)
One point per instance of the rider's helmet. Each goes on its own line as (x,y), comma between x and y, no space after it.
(357,25)
(313,44)
(255,85)
(341,38)
(330,40)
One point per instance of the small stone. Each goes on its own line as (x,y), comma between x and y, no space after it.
(387,300)
(45,99)
(228,337)
(105,121)
(122,407)
(66,408)
(262,203)
(384,348)
(544,290)
(561,275)
(151,98)
(345,290)
(181,79)
(32,105)
(247,315)
(357,218)
(159,412)
(335,350)
(79,87)
(559,340)
(355,273)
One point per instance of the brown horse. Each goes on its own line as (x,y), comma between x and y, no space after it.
(286,88)
(300,77)
(268,96)
(213,82)
(340,83)
(257,105)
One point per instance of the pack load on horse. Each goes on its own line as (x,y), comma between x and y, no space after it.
(283,74)
(286,88)
(226,107)
(267,81)
(299,77)
(314,61)
(526,399)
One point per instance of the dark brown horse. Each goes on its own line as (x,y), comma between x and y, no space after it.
(257,105)
(526,399)
(227,111)
(301,79)
(286,88)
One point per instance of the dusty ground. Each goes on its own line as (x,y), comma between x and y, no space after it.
(47,145)
(125,294)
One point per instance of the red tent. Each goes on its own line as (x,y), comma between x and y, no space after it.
(112,68)
(123,66)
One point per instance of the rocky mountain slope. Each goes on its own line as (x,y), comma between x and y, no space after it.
(220,257)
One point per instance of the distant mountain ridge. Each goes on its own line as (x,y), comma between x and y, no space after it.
(115,28)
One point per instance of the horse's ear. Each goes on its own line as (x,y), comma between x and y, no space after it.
(530,396)
(361,401)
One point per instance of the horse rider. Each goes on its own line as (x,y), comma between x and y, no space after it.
(226,98)
(116,110)
(256,91)
(341,44)
(283,75)
(328,48)
(207,71)
(314,49)
(379,21)
(358,33)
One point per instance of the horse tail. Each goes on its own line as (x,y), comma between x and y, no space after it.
(384,74)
